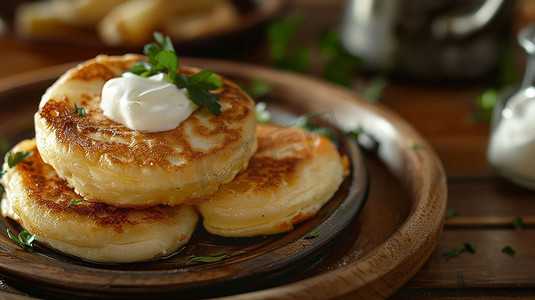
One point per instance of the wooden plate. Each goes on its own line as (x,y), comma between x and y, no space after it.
(403,216)
(248,262)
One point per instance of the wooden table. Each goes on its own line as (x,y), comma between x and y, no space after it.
(486,203)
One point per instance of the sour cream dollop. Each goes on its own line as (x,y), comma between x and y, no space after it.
(145,104)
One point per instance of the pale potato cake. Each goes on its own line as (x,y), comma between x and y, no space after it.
(291,176)
(41,203)
(107,161)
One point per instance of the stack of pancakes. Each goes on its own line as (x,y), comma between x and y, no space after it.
(100,191)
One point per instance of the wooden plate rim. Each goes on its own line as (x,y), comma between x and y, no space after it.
(421,172)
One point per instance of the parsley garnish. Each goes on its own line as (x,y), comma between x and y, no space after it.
(470,247)
(79,110)
(24,240)
(485,103)
(518,224)
(14,159)
(305,124)
(416,146)
(375,88)
(75,202)
(206,259)
(354,134)
(450,213)
(257,88)
(340,65)
(312,235)
(163,59)
(281,33)
(2,173)
(508,250)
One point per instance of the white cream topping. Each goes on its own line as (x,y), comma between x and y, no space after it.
(146,104)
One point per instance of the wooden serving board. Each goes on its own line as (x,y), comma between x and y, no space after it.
(399,224)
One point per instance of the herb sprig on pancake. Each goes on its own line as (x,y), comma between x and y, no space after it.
(163,59)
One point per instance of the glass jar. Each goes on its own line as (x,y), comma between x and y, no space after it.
(512,140)
(511,148)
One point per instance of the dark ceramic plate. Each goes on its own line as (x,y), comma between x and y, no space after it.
(251,263)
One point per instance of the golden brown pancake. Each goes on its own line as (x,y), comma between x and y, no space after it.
(291,176)
(40,200)
(107,161)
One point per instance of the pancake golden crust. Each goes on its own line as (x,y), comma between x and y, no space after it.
(288,180)
(108,161)
(94,231)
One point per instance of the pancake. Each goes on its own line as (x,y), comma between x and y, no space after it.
(107,161)
(290,177)
(40,200)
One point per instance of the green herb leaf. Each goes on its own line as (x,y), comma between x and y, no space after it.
(518,224)
(416,146)
(14,159)
(281,33)
(139,68)
(164,41)
(261,114)
(508,250)
(205,80)
(206,259)
(312,235)
(257,88)
(454,252)
(485,104)
(329,43)
(201,97)
(450,213)
(375,88)
(163,59)
(354,134)
(340,64)
(79,110)
(24,240)
(199,77)
(2,173)
(305,124)
(470,247)
(75,202)
(168,60)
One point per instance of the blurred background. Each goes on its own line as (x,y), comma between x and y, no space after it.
(439,64)
(362,44)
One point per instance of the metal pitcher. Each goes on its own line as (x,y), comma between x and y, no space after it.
(432,40)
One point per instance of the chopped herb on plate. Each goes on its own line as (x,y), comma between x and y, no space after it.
(206,259)
(312,235)
(24,239)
